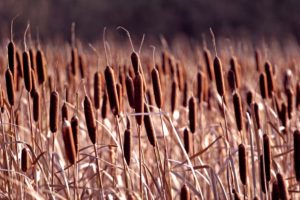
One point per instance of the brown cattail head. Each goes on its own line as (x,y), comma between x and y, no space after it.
(275,191)
(269,76)
(257,60)
(219,76)
(11,55)
(54,109)
(69,141)
(207,59)
(10,88)
(97,90)
(25,160)
(234,66)
(156,87)
(262,174)
(298,96)
(243,164)
(255,110)
(139,98)
(200,81)
(130,91)
(74,60)
(174,95)
(186,140)
(135,62)
(283,192)
(36,106)
(283,116)
(127,146)
(297,154)
(90,119)
(33,83)
(75,130)
(290,101)
(104,105)
(112,90)
(40,66)
(231,80)
(263,85)
(192,114)
(185,193)
(185,94)
(238,111)
(64,112)
(27,71)
(249,97)
(149,126)
(267,157)
(120,95)
(1,99)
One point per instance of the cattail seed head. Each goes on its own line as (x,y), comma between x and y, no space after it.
(200,81)
(275,191)
(234,66)
(11,55)
(207,59)
(283,192)
(192,114)
(127,146)
(112,90)
(219,76)
(256,115)
(269,76)
(238,111)
(130,90)
(298,96)
(297,154)
(139,97)
(156,87)
(243,163)
(27,71)
(10,88)
(186,140)
(40,66)
(120,95)
(64,112)
(33,83)
(90,119)
(36,106)
(54,109)
(174,96)
(97,89)
(185,193)
(267,157)
(249,97)
(69,141)
(290,101)
(263,85)
(262,174)
(75,130)
(74,60)
(283,116)
(185,94)
(231,80)
(135,62)
(104,105)
(149,126)
(25,160)
(257,60)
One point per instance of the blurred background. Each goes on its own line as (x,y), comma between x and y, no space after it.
(53,18)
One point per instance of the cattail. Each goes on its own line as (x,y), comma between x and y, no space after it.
(2,101)
(104,105)
(267,157)
(90,119)
(219,76)
(36,106)
(283,114)
(262,174)
(249,97)
(130,90)
(139,98)
(120,95)
(287,79)
(186,140)
(25,162)
(174,96)
(256,115)
(231,80)
(298,96)
(127,145)
(81,66)
(97,89)
(192,114)
(27,71)
(32,59)
(290,101)
(297,154)
(33,83)
(257,60)
(238,111)
(243,164)
(282,188)
(200,77)
(235,68)
(75,130)
(185,94)
(150,99)
(111,90)
(69,141)
(64,112)
(269,76)
(255,198)
(236,195)
(11,55)
(275,191)
(40,66)
(207,59)
(135,62)
(10,88)
(54,109)
(263,85)
(149,126)
(156,88)
(185,193)
(19,64)
(74,60)
(50,83)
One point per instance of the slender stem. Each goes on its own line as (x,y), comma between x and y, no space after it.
(99,174)
(140,161)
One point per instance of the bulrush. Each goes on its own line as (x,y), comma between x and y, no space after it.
(90,119)
(130,91)
(185,94)
(120,96)
(156,87)
(127,145)
(27,71)
(234,66)
(54,109)
(269,76)
(297,154)
(75,130)
(219,76)
(231,80)
(97,90)
(298,96)
(149,126)
(104,105)
(256,115)
(40,66)
(290,101)
(139,98)
(200,81)
(249,97)
(282,187)
(238,111)
(69,141)
(207,59)
(64,112)
(25,160)
(185,193)
(11,56)
(10,88)
(36,106)
(243,163)
(263,86)
(112,90)
(174,95)
(275,191)
(74,61)
(267,157)
(186,140)
(192,114)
